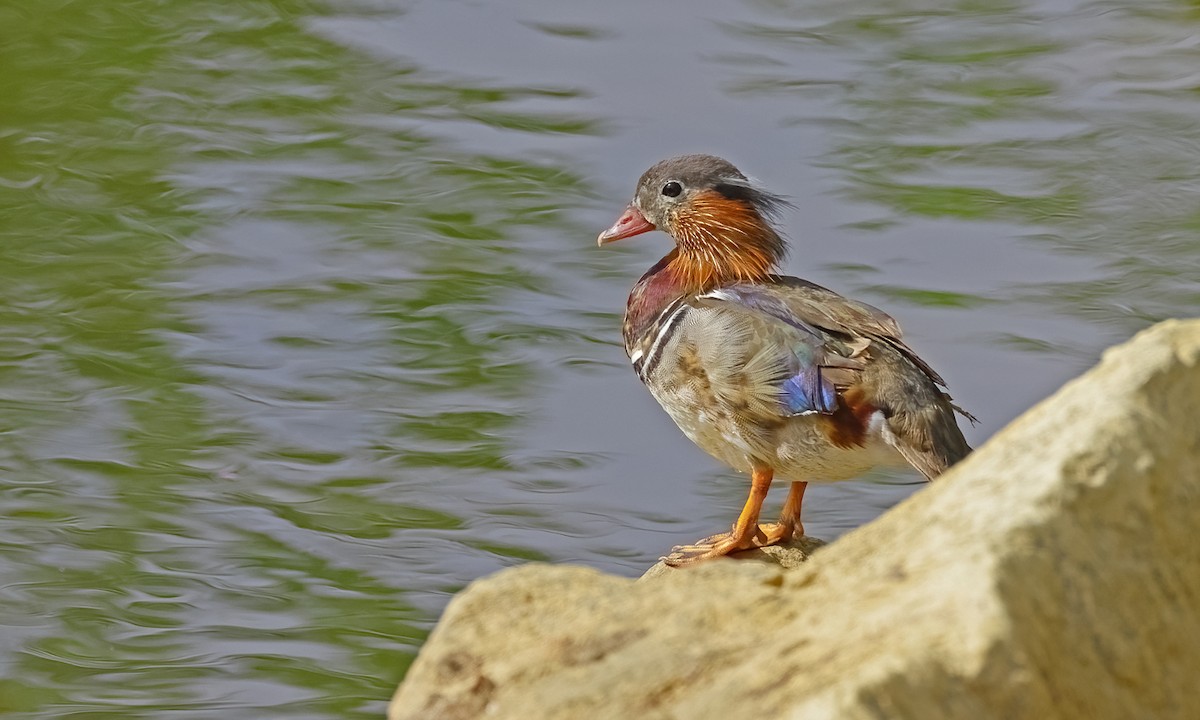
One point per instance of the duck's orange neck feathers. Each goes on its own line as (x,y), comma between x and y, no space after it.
(720,240)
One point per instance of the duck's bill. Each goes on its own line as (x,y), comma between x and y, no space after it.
(631,223)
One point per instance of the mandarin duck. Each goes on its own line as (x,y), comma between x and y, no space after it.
(770,374)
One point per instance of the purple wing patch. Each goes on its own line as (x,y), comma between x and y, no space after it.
(809,392)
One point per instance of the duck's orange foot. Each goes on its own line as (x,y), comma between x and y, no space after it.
(723,544)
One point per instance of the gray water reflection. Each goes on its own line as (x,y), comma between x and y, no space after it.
(302,326)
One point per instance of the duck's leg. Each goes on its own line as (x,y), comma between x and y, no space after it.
(746,532)
(789,525)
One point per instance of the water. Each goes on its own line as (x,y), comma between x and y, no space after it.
(303,326)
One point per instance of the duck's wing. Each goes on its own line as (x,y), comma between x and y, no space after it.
(832,311)
(781,345)
(830,352)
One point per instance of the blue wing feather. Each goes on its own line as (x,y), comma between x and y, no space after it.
(808,392)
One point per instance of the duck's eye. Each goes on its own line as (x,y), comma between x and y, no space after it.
(672,189)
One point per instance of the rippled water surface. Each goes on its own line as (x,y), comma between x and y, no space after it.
(303,327)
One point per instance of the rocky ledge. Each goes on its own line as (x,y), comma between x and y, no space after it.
(1053,574)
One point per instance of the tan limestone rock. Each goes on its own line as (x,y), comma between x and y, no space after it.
(1053,574)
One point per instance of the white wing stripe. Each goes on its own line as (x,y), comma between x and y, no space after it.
(650,358)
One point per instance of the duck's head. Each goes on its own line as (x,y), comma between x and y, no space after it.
(721,221)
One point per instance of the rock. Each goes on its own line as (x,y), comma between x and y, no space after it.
(1055,573)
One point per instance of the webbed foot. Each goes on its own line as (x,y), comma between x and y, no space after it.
(723,544)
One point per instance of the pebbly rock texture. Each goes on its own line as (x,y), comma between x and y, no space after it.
(1053,574)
